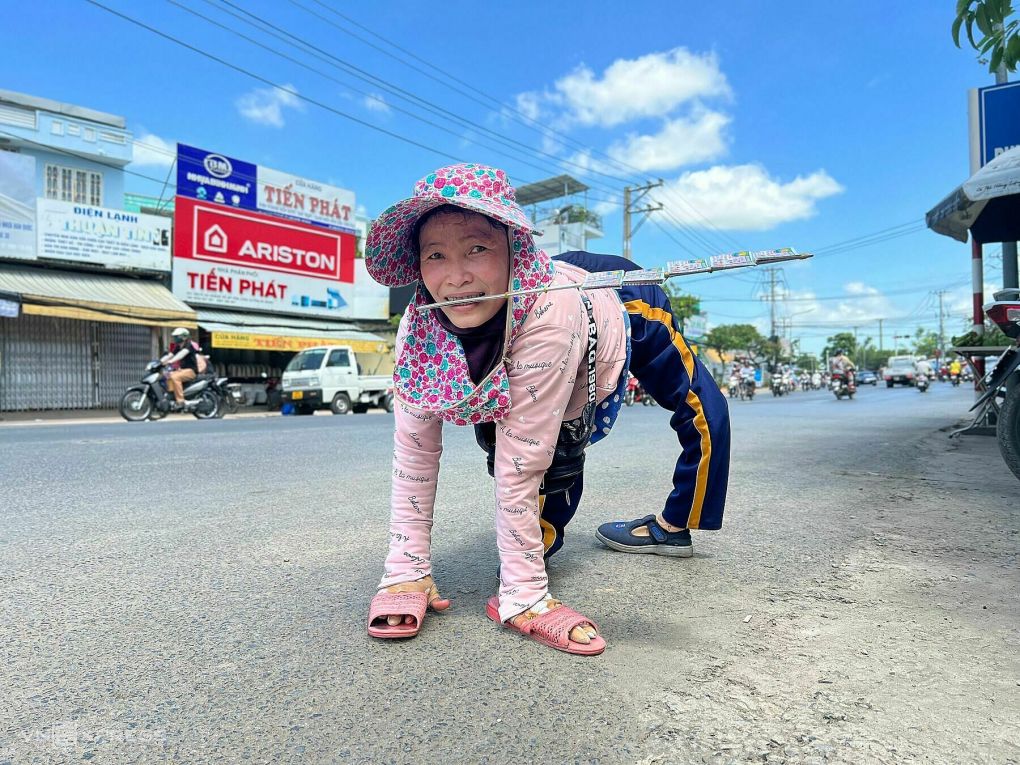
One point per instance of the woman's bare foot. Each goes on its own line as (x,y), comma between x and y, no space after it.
(580,634)
(426,585)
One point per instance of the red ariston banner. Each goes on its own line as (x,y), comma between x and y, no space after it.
(218,234)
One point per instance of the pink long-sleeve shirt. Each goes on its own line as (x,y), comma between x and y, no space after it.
(547,372)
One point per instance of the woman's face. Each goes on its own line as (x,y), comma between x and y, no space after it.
(464,255)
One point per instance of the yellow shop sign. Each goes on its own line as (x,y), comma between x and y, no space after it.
(252,342)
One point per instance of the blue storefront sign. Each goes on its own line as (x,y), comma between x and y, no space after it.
(998,119)
(212,177)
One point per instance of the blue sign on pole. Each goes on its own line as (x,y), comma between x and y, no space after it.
(999,119)
(212,177)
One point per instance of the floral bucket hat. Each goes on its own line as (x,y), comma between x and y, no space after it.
(391,256)
(431,370)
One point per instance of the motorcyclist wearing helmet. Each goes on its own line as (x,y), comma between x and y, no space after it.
(184,355)
(840,363)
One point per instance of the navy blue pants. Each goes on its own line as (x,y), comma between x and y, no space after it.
(679,382)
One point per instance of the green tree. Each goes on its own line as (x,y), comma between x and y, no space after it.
(1000,41)
(682,305)
(736,337)
(925,342)
(865,357)
(844,340)
(879,359)
(807,362)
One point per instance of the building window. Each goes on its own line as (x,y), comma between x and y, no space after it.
(66,176)
(90,135)
(72,184)
(52,182)
(57,127)
(81,185)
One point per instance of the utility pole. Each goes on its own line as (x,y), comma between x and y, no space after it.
(942,335)
(880,348)
(629,200)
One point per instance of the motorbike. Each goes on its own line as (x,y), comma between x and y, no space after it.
(1004,379)
(777,387)
(230,395)
(842,384)
(152,401)
(955,380)
(633,392)
(922,383)
(747,388)
(734,386)
(274,395)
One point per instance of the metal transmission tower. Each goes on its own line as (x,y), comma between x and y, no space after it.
(773,278)
(629,209)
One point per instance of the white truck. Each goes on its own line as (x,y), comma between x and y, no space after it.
(900,369)
(329,375)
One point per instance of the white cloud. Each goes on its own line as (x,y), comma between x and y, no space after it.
(374,102)
(744,197)
(151,150)
(682,141)
(265,106)
(528,105)
(650,86)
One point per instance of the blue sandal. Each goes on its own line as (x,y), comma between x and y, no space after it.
(620,536)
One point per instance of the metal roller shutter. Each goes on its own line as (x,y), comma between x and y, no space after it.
(124,350)
(45,363)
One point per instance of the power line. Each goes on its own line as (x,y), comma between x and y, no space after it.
(521,118)
(911,290)
(86,157)
(368,77)
(397,90)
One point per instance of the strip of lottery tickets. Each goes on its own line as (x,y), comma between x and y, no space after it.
(616,279)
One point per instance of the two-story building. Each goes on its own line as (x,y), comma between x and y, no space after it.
(83,282)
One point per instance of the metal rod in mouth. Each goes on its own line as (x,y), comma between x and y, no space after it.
(616,279)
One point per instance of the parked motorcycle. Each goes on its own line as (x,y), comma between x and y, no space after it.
(230,395)
(1004,379)
(274,396)
(152,401)
(841,385)
(922,383)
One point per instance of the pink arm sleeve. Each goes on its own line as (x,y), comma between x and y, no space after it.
(543,366)
(417,447)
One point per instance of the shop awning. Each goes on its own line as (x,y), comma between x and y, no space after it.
(987,204)
(94,297)
(260,332)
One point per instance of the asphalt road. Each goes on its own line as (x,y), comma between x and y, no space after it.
(189,591)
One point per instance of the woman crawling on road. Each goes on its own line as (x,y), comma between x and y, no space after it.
(539,376)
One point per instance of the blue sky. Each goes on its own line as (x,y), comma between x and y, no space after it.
(804,124)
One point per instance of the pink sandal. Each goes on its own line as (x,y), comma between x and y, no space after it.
(552,629)
(396,604)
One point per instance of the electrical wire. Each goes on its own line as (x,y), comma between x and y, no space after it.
(355,71)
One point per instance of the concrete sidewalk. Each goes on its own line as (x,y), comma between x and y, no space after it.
(86,416)
(97,416)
